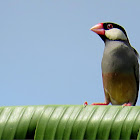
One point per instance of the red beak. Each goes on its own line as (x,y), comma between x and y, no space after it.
(98,29)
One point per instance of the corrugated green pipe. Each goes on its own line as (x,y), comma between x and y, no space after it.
(66,122)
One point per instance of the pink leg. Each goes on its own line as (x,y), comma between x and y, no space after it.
(99,103)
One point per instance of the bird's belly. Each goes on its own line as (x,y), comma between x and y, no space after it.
(120,87)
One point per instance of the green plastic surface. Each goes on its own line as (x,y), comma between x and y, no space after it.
(66,122)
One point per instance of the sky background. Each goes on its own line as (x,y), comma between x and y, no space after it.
(48,55)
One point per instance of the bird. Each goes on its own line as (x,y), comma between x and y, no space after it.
(120,67)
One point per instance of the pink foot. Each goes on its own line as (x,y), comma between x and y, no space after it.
(127,104)
(99,103)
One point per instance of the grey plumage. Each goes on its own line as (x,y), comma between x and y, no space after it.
(120,67)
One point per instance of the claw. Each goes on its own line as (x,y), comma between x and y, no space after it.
(127,104)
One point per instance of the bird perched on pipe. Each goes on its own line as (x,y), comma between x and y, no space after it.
(120,67)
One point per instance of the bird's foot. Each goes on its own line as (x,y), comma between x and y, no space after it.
(127,104)
(86,103)
(99,103)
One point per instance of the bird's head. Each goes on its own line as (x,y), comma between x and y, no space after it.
(111,31)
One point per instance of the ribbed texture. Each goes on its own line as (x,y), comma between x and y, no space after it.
(69,122)
(19,122)
(92,122)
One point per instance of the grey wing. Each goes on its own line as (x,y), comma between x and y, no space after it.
(136,74)
(136,53)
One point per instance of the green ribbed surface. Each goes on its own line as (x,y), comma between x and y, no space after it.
(19,122)
(69,122)
(92,122)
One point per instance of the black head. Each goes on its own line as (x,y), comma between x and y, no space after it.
(111,31)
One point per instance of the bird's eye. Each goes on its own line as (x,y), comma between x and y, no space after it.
(109,26)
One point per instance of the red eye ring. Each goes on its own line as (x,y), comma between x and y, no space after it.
(109,26)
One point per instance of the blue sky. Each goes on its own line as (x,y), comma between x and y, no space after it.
(48,55)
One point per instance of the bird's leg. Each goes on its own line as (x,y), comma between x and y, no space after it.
(86,103)
(127,104)
(99,103)
(107,101)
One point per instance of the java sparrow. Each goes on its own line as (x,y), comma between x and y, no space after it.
(120,67)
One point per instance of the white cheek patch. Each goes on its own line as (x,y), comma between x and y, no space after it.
(115,34)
